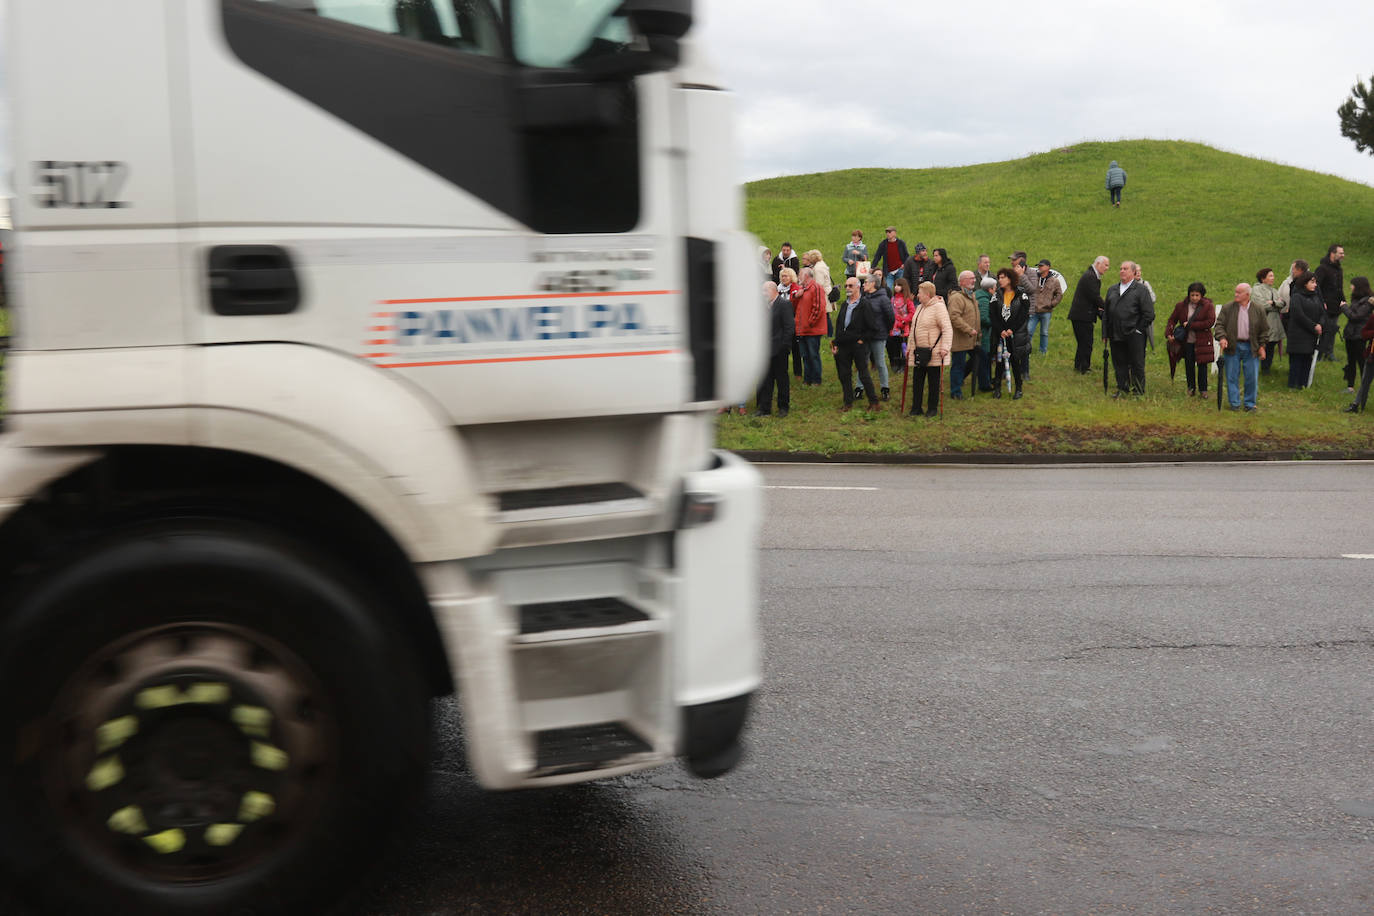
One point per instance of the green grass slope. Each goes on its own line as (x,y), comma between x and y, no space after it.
(1190,212)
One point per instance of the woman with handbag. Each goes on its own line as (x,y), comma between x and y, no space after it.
(1010,311)
(928,348)
(1189,330)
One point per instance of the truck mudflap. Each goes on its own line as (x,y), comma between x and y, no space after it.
(711,735)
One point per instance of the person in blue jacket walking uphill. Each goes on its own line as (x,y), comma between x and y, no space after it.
(1116,180)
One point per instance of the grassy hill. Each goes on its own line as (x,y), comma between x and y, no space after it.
(1190,212)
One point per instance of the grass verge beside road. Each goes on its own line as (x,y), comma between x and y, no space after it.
(1066,413)
(1189,213)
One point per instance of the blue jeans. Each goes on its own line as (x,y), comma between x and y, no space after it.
(958,365)
(877,351)
(1043,320)
(1242,359)
(1116,195)
(811,359)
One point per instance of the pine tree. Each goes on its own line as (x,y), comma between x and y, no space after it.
(1357,117)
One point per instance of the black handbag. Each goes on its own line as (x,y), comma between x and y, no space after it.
(1181,333)
(921,357)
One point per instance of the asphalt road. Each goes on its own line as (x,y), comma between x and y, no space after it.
(1125,689)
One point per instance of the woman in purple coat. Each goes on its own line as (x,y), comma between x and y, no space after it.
(1195,315)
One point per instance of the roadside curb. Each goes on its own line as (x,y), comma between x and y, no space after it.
(770,457)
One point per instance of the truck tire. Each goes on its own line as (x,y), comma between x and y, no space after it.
(200,717)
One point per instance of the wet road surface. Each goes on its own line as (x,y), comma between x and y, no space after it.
(1030,690)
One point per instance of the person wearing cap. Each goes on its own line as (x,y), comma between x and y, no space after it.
(889,256)
(918,269)
(1046,296)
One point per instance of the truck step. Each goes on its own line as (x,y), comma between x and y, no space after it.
(579,614)
(570,502)
(586,747)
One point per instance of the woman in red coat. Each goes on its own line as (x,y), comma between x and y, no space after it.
(1195,315)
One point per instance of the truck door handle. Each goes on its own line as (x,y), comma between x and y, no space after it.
(252,280)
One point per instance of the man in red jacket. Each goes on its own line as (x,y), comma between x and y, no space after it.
(810,312)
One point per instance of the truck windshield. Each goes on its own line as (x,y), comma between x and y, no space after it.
(565,33)
(465,25)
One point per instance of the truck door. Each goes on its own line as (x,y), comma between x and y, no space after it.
(462,195)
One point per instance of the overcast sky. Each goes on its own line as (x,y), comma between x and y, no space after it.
(828,84)
(831,84)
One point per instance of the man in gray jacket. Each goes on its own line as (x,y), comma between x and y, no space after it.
(1116,182)
(1129,312)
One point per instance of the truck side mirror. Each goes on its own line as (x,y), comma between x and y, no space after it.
(660,24)
(659,18)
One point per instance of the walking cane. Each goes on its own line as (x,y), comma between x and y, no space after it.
(1221,382)
(1106,354)
(942,389)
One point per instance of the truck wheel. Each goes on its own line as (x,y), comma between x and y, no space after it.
(200,718)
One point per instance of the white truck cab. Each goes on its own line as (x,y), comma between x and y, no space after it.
(362,351)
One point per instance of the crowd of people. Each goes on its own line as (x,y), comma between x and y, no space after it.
(910,310)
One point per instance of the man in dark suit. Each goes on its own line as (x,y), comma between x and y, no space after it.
(782,329)
(785,257)
(1085,310)
(1129,313)
(855,326)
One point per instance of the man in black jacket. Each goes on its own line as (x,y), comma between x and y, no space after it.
(854,328)
(1128,313)
(889,255)
(1331,284)
(1085,310)
(782,329)
(785,257)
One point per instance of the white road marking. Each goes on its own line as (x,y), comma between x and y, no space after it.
(1358,556)
(820,488)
